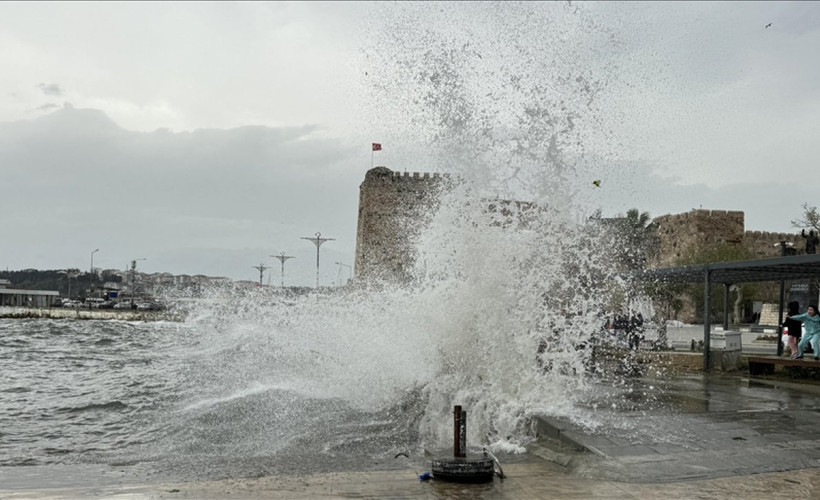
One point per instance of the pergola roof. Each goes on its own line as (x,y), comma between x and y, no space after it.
(793,267)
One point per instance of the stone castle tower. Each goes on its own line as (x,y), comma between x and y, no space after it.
(393,206)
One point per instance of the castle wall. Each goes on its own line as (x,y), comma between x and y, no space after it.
(394,207)
(681,235)
(763,244)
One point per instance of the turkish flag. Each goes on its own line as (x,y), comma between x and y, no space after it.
(377,146)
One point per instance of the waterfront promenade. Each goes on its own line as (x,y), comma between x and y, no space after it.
(525,481)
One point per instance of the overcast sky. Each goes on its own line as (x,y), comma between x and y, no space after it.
(205,137)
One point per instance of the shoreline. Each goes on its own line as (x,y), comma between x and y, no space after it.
(8,312)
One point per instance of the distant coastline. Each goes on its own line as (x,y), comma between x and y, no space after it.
(97,314)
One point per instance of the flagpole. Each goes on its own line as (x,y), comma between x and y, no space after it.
(371,157)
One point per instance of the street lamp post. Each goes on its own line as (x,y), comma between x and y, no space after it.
(282,258)
(70,274)
(317,240)
(261,268)
(92,260)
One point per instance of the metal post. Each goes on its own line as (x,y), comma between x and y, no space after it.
(780,318)
(782,297)
(317,240)
(707,323)
(457,431)
(261,268)
(725,306)
(92,260)
(282,258)
(462,434)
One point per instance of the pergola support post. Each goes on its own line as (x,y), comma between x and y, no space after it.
(707,324)
(782,299)
(726,306)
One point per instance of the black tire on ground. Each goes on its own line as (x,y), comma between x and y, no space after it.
(465,470)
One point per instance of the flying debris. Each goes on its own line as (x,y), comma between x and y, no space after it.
(768,25)
(597,182)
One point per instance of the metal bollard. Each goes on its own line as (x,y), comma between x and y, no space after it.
(462,434)
(459,432)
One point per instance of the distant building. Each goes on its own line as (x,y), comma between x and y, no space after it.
(25,298)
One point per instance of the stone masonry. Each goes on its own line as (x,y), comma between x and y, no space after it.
(392,208)
(683,234)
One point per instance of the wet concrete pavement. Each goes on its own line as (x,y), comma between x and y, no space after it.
(699,428)
(528,480)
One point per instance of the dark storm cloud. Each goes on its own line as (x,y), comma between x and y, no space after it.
(51,89)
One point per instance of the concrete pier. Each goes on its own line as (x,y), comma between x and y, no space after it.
(82,313)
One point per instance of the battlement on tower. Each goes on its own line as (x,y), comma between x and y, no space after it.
(384,174)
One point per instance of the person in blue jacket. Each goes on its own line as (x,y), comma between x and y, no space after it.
(811,321)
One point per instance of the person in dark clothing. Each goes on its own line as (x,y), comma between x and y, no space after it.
(811,241)
(635,330)
(794,327)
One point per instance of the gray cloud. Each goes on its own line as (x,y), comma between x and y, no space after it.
(79,181)
(47,107)
(51,89)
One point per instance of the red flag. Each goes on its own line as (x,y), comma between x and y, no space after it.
(377,146)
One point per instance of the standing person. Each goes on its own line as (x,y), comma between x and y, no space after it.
(635,330)
(811,320)
(811,241)
(794,327)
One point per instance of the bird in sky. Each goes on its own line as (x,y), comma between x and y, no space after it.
(768,25)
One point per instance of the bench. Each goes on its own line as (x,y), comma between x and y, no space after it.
(764,365)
